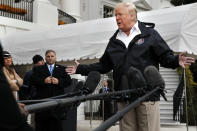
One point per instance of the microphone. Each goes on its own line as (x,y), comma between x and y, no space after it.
(124,82)
(78,87)
(154,79)
(135,78)
(91,82)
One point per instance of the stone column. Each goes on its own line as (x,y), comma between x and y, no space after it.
(44,13)
(72,7)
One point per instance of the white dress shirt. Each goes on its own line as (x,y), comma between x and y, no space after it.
(127,39)
(50,65)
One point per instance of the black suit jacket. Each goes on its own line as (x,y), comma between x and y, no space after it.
(44,90)
(49,90)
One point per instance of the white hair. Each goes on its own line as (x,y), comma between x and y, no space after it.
(129,6)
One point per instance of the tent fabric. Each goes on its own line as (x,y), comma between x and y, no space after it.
(177,25)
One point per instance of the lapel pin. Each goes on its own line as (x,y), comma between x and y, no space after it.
(140,41)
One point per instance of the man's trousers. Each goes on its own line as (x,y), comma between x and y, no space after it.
(145,117)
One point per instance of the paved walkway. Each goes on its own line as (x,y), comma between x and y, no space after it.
(85,126)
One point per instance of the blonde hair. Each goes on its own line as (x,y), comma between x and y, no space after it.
(129,6)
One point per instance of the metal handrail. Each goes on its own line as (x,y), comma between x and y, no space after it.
(67,18)
(17,9)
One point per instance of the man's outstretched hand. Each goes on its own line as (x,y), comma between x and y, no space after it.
(183,60)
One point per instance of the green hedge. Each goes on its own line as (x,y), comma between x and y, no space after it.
(191,87)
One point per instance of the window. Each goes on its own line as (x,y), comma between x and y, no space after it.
(108,11)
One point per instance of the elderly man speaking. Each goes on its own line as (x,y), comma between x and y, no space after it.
(138,46)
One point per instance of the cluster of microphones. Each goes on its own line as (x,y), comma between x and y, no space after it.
(134,79)
(151,79)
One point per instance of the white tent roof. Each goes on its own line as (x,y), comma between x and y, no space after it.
(178,26)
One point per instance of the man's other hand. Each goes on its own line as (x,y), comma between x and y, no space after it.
(72,69)
(48,80)
(54,81)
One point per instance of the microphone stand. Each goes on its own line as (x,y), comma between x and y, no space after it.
(185,92)
(109,122)
(52,103)
(72,94)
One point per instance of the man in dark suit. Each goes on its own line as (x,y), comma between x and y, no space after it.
(50,80)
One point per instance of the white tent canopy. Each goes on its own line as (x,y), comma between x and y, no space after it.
(178,26)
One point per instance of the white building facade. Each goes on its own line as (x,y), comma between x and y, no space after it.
(45,16)
(82,10)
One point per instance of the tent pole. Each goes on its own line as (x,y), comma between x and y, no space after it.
(185,92)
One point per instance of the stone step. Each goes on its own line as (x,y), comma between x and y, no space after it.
(164,111)
(169,94)
(168,122)
(163,68)
(168,73)
(172,82)
(170,89)
(166,108)
(168,98)
(164,116)
(171,79)
(165,103)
